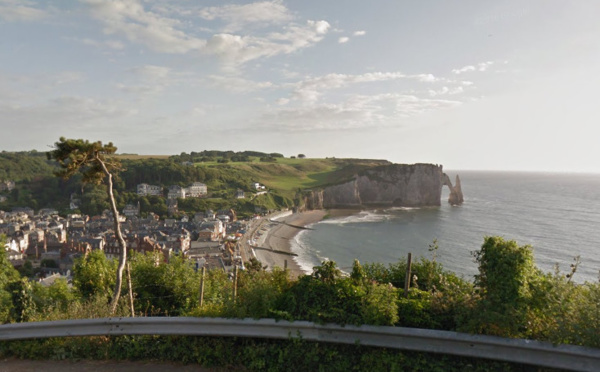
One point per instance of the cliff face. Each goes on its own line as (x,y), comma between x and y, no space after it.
(399,185)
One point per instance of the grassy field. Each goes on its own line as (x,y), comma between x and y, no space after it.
(287,176)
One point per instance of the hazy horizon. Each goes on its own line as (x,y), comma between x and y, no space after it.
(473,85)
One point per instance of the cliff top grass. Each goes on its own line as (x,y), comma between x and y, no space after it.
(287,176)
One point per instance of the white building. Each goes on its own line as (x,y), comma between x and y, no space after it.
(176,192)
(143,189)
(196,190)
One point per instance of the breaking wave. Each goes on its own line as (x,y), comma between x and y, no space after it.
(362,217)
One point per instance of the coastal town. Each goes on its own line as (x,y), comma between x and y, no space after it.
(49,243)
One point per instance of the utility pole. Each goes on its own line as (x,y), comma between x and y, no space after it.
(235,275)
(130,291)
(407,277)
(202,286)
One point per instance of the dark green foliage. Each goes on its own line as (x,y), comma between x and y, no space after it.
(258,292)
(91,159)
(50,263)
(212,155)
(94,275)
(240,353)
(27,269)
(163,289)
(94,200)
(162,172)
(506,271)
(552,308)
(23,304)
(327,297)
(25,166)
(8,277)
(561,311)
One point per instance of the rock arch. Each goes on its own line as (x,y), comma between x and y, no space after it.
(456,195)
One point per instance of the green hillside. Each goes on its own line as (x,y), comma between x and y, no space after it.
(286,176)
(224,172)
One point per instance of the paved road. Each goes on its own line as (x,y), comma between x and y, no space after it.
(18,365)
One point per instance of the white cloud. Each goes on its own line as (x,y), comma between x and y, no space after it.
(483,66)
(20,10)
(113,44)
(343,39)
(311,89)
(239,17)
(425,78)
(165,34)
(153,72)
(358,112)
(129,18)
(236,50)
(464,69)
(445,90)
(237,84)
(359,33)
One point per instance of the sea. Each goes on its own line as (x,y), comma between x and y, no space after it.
(557,214)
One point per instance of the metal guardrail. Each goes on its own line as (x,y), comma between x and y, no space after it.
(538,353)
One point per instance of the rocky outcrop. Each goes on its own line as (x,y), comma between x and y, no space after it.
(398,185)
(456,195)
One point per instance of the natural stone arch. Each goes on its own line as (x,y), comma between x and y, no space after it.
(456,195)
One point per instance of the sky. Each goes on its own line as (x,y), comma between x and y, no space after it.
(487,85)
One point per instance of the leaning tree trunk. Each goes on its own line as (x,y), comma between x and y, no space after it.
(123,257)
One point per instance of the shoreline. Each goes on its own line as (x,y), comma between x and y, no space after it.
(278,237)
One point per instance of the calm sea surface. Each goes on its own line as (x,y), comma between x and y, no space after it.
(557,214)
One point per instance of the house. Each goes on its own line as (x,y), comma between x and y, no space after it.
(239,194)
(47,212)
(211,231)
(96,243)
(143,189)
(25,210)
(257,186)
(36,236)
(56,235)
(201,249)
(176,192)
(132,210)
(196,190)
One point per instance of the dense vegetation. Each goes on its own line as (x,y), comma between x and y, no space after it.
(509,297)
(224,172)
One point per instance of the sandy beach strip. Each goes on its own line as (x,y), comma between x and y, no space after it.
(277,237)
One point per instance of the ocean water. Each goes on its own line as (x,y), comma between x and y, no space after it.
(557,214)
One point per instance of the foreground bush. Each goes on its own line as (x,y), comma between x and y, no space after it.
(510,297)
(244,354)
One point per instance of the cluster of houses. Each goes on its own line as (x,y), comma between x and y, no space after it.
(209,238)
(195,190)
